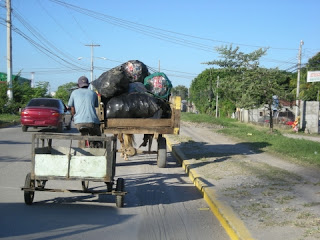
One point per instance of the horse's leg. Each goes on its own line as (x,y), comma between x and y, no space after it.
(150,138)
(122,148)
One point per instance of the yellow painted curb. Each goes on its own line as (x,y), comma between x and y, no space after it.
(233,226)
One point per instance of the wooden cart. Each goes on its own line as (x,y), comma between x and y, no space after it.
(54,158)
(155,127)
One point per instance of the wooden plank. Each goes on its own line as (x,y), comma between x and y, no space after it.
(125,130)
(139,122)
(66,136)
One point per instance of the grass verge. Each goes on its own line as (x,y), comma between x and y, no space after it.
(300,150)
(7,119)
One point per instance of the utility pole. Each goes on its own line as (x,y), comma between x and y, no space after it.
(210,90)
(9,51)
(217,97)
(159,65)
(298,80)
(92,46)
(32,79)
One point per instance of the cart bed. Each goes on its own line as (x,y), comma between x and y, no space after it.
(67,162)
(145,125)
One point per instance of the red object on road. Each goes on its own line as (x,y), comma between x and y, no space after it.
(46,112)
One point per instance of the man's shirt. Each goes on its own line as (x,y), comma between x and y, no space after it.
(84,101)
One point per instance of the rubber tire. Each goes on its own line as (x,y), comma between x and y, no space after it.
(120,188)
(60,128)
(29,195)
(85,185)
(162,152)
(24,128)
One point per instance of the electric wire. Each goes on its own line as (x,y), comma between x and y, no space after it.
(44,50)
(144,29)
(44,42)
(123,22)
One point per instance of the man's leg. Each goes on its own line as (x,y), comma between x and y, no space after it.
(81,143)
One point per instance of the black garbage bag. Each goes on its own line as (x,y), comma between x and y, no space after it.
(135,70)
(132,105)
(112,83)
(137,87)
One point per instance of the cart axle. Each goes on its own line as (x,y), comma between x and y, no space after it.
(113,192)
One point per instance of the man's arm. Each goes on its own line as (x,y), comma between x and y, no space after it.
(73,111)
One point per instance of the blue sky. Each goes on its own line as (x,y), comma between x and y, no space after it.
(177,35)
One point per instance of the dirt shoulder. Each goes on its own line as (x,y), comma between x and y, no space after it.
(275,198)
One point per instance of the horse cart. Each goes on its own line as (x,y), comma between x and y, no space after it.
(151,129)
(55,158)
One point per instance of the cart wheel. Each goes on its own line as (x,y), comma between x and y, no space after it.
(29,195)
(85,185)
(120,188)
(162,152)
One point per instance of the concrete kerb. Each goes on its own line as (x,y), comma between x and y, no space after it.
(234,227)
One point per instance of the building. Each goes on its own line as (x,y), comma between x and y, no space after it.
(21,80)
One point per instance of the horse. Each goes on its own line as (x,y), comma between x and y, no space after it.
(127,141)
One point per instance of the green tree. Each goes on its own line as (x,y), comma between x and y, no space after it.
(262,85)
(308,91)
(234,59)
(3,96)
(181,91)
(22,94)
(234,64)
(41,90)
(201,93)
(314,63)
(245,83)
(226,108)
(65,90)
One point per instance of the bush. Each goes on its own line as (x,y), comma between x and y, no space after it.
(22,94)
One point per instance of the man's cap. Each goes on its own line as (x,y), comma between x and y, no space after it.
(83,82)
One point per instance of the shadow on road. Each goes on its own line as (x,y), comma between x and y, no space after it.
(198,150)
(55,220)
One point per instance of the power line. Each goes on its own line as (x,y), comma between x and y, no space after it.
(44,42)
(138,26)
(162,34)
(54,19)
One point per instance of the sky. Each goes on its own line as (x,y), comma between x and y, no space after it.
(178,37)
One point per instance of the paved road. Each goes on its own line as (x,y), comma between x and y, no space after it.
(160,204)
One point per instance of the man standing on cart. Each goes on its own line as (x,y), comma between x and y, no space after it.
(83,102)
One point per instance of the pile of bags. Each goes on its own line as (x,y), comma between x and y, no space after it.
(129,91)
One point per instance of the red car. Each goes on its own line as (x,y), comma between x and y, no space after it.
(46,112)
